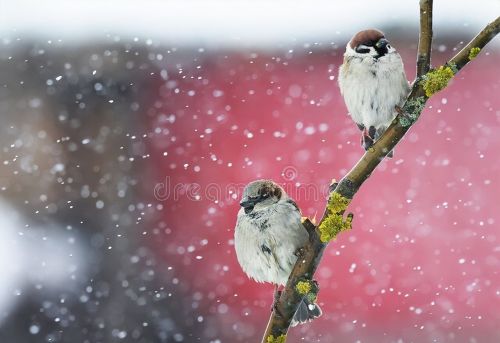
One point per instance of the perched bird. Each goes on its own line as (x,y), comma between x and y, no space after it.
(268,233)
(373,83)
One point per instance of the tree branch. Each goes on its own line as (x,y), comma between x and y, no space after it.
(341,194)
(425,38)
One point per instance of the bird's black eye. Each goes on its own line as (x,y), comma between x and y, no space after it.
(362,50)
(265,196)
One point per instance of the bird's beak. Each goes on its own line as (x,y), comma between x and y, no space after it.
(247,202)
(382,43)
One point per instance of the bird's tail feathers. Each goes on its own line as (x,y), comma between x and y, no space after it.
(379,133)
(306,312)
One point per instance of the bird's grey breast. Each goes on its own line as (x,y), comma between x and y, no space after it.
(260,220)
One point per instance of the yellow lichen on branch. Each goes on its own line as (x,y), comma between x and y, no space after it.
(308,289)
(279,339)
(473,53)
(303,287)
(335,223)
(337,203)
(436,80)
(332,226)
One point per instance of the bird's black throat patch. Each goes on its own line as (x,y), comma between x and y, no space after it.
(265,249)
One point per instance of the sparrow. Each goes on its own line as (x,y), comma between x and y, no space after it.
(267,236)
(373,83)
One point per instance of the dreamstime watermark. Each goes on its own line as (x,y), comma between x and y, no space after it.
(289,173)
(229,192)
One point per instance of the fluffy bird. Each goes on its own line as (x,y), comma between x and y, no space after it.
(373,83)
(267,236)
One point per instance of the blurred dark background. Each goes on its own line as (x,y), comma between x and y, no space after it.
(122,163)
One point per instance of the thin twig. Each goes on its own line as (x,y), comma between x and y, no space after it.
(307,264)
(486,35)
(425,38)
